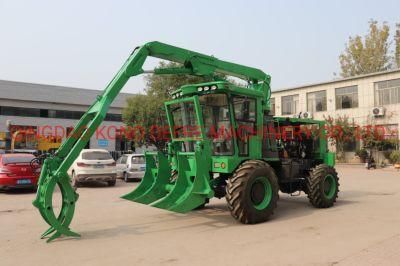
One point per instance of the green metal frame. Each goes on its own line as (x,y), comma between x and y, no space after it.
(54,170)
(190,186)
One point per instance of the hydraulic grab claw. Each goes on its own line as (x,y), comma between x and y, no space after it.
(156,179)
(183,191)
(59,225)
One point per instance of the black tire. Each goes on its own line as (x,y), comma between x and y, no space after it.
(323,186)
(126,179)
(111,183)
(244,192)
(75,183)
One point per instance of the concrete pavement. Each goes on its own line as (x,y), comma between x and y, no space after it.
(362,229)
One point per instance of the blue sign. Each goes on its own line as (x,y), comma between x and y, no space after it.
(102,142)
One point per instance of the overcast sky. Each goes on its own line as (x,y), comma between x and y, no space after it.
(83,43)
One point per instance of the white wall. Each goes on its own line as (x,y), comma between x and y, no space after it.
(361,115)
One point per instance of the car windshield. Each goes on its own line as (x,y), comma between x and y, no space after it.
(185,120)
(138,160)
(10,159)
(96,155)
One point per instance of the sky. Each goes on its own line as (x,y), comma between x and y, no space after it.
(84,43)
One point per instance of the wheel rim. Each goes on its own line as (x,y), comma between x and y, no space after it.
(261,193)
(329,186)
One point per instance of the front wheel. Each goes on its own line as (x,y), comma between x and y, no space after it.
(323,186)
(252,192)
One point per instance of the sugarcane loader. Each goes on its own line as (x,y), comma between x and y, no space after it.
(224,143)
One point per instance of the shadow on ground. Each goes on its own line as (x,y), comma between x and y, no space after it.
(214,216)
(18,191)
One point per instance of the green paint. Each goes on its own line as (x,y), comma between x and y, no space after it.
(190,187)
(329,186)
(263,188)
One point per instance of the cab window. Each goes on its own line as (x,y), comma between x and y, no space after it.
(245,116)
(217,124)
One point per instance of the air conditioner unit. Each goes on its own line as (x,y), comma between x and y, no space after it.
(307,115)
(378,111)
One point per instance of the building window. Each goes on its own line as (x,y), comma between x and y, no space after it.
(351,145)
(387,92)
(45,113)
(316,101)
(113,117)
(347,97)
(17,111)
(52,114)
(290,104)
(272,104)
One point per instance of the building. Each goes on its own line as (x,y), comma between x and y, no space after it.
(52,111)
(372,99)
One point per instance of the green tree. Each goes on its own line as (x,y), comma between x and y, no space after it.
(367,55)
(340,131)
(140,114)
(163,85)
(397,45)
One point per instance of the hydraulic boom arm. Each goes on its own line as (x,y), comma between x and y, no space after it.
(54,169)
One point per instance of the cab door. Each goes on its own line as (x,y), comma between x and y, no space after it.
(270,131)
(245,115)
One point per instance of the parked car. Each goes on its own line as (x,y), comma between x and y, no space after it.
(93,165)
(16,171)
(131,166)
(30,151)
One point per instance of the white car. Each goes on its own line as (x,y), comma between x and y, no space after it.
(131,166)
(93,165)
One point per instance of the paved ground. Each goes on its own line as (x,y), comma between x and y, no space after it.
(362,229)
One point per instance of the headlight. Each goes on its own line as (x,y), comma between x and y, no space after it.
(206,88)
(200,89)
(213,87)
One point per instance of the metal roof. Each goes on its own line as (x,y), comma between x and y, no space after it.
(24,91)
(338,80)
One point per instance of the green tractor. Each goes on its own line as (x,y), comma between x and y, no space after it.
(224,143)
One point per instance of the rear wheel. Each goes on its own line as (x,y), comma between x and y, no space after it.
(323,186)
(252,192)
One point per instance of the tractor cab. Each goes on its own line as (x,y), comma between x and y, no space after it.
(222,116)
